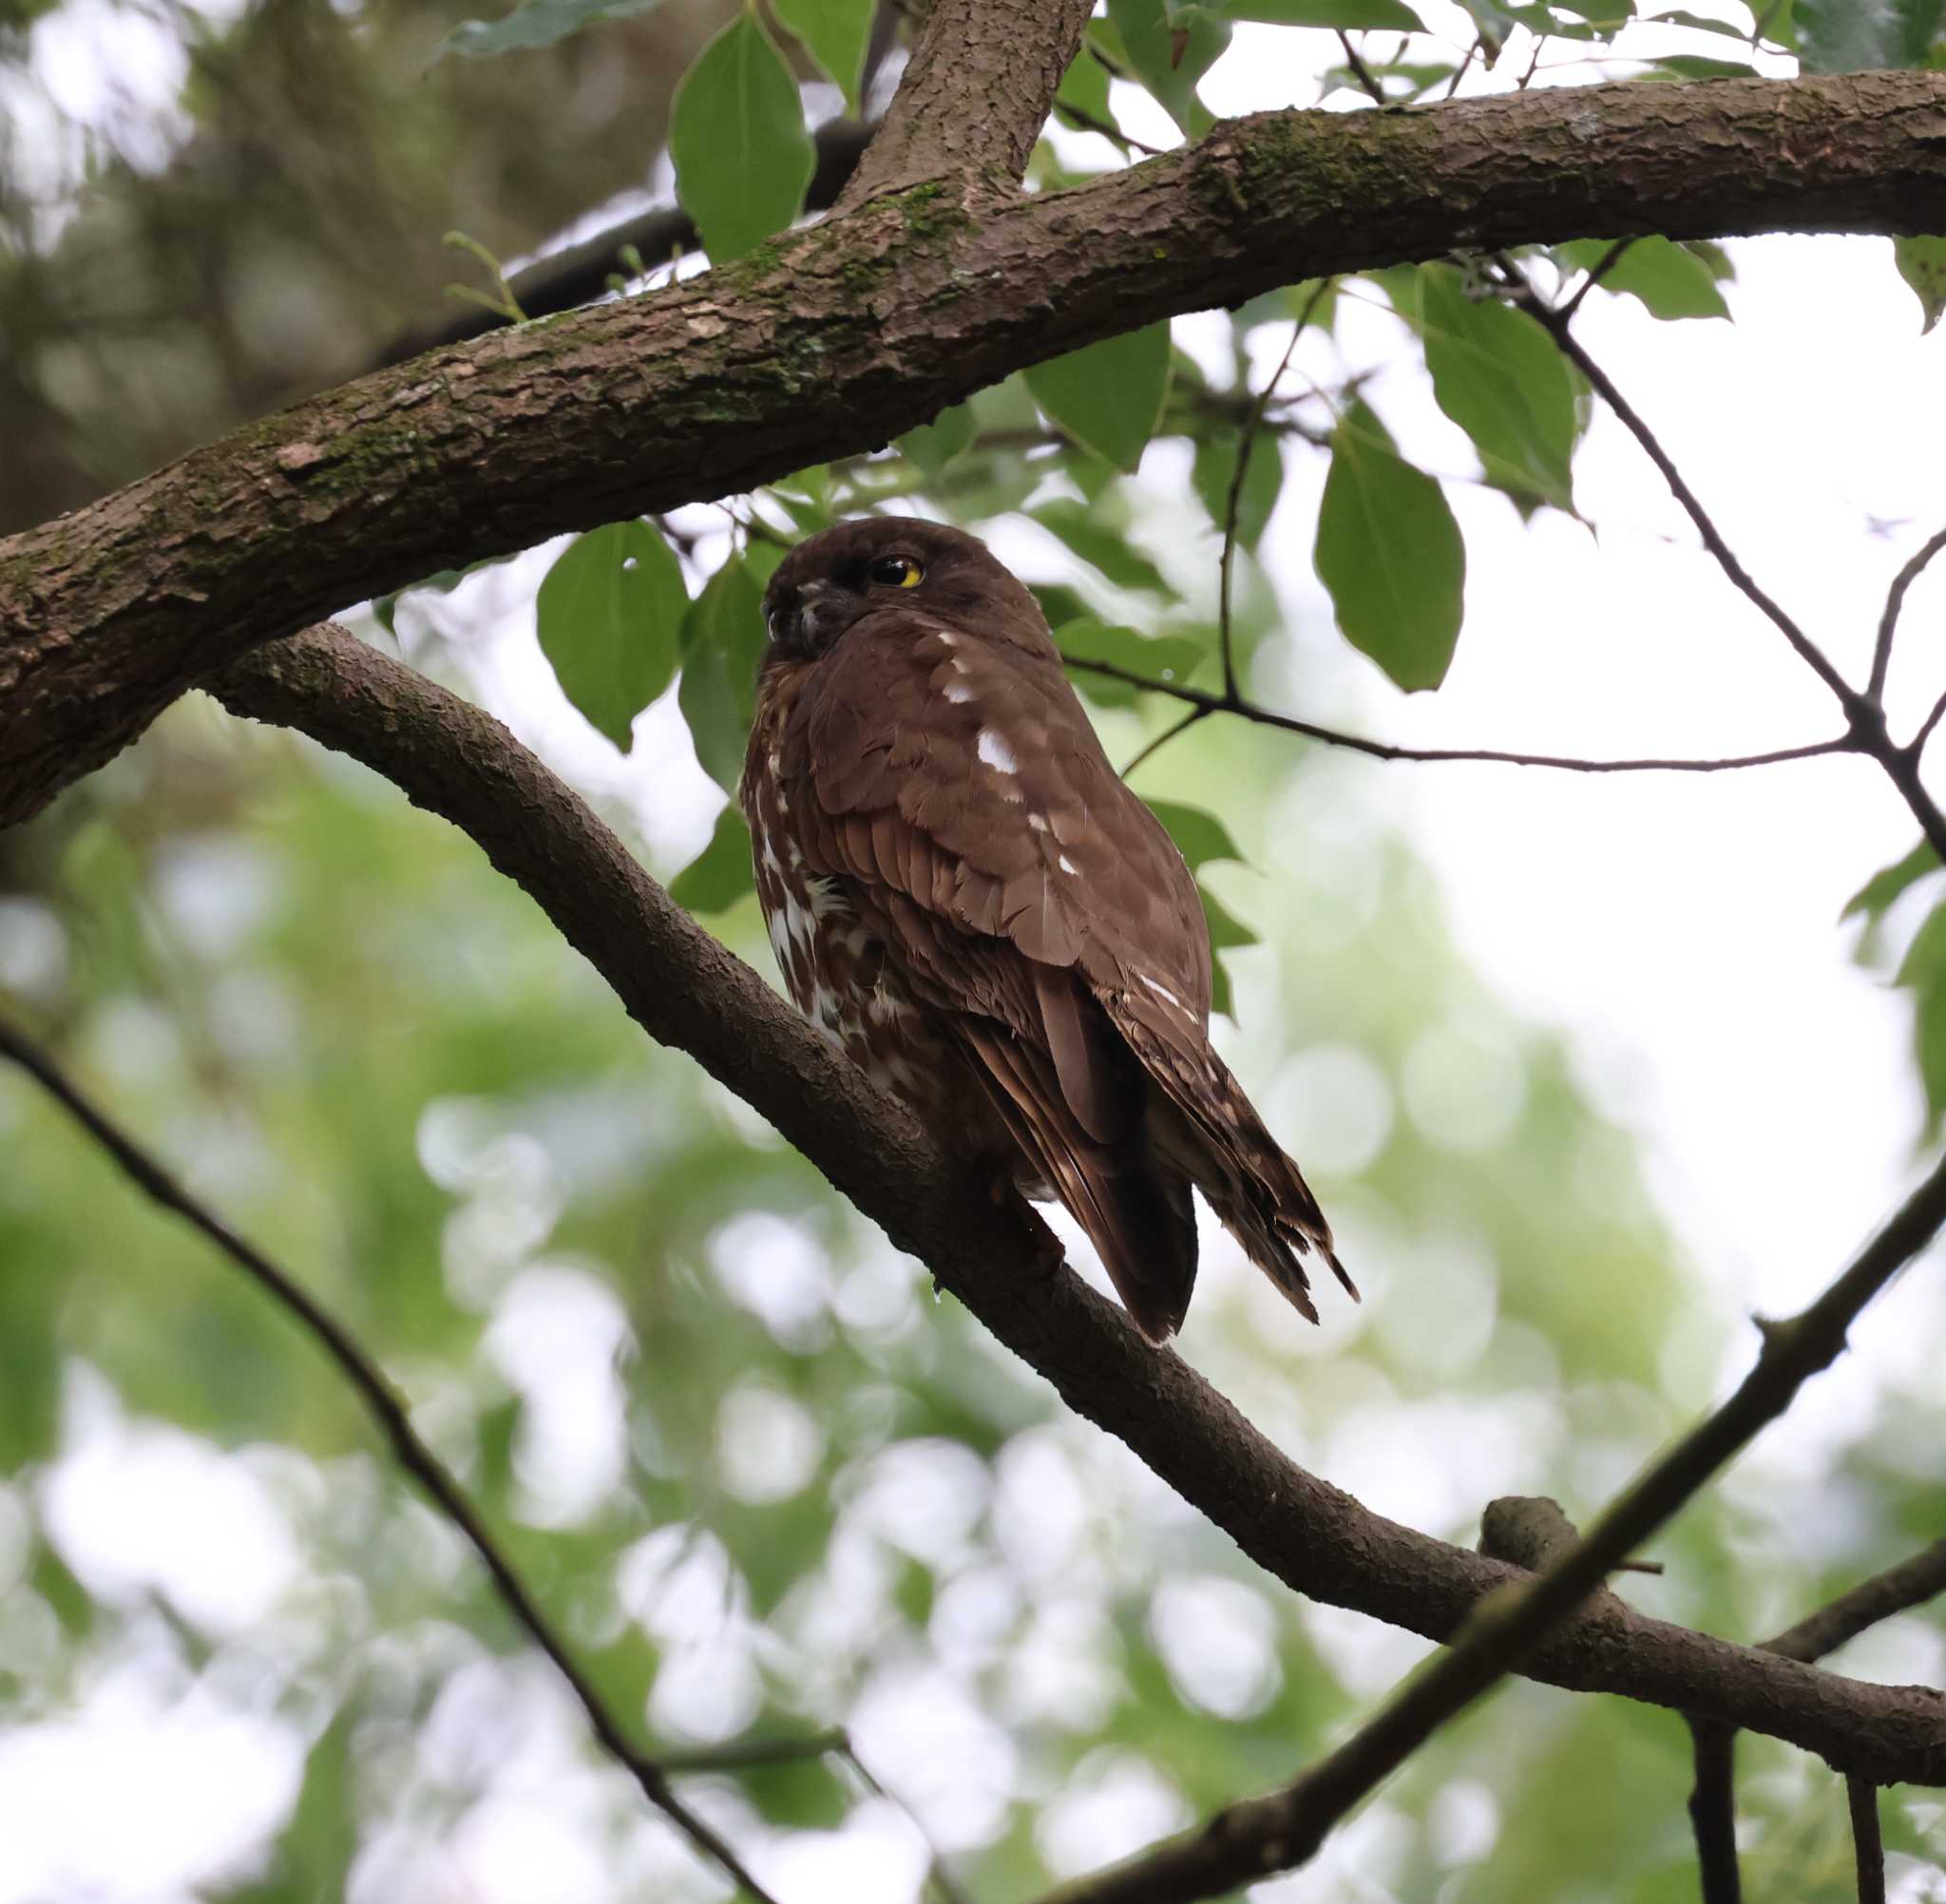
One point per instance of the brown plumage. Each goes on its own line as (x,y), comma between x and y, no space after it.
(966,900)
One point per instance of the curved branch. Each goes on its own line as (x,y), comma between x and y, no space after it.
(687,991)
(833,339)
(383,1404)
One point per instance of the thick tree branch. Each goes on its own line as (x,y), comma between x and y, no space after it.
(973,97)
(1282,1830)
(388,1412)
(687,991)
(833,339)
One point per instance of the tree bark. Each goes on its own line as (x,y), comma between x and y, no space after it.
(832,340)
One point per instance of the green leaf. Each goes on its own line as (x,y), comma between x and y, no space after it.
(1215,469)
(1225,930)
(736,136)
(1391,15)
(1923,264)
(1085,88)
(1497,373)
(934,444)
(1158,657)
(1199,836)
(1875,898)
(1170,48)
(1108,396)
(1670,279)
(534,24)
(1923,974)
(1390,552)
(834,33)
(609,614)
(1848,36)
(723,642)
(1101,547)
(722,872)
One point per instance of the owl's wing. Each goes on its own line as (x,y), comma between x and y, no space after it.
(959,791)
(960,787)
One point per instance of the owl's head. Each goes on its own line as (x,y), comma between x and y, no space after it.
(831,581)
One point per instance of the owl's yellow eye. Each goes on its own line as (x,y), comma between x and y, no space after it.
(896,572)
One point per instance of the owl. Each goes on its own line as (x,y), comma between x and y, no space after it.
(966,898)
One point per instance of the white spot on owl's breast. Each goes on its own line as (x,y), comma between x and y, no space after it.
(1067,865)
(995,752)
(956,692)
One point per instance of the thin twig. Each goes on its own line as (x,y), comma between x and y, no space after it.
(1712,1811)
(1361,72)
(1162,739)
(1245,441)
(1459,71)
(1868,1847)
(1206,703)
(1601,268)
(1086,122)
(1910,1584)
(385,1407)
(1863,715)
(1248,1841)
(1895,605)
(1917,746)
(1555,324)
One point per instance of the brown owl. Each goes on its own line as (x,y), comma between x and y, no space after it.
(966,898)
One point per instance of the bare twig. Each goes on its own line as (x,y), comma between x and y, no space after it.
(388,1412)
(1910,1584)
(1555,324)
(1207,702)
(1086,122)
(1248,1841)
(1600,269)
(1245,441)
(1359,71)
(1869,1848)
(1895,606)
(1865,719)
(1161,740)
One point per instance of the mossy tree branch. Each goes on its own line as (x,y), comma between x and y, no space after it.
(832,340)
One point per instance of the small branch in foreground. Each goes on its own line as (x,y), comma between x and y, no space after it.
(1868,1847)
(1207,703)
(386,1408)
(1895,606)
(1250,1839)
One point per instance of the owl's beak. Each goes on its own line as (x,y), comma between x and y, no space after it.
(810,615)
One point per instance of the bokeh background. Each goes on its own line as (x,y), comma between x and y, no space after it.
(1586,1068)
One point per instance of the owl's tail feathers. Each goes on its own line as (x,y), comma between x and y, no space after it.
(1218,1139)
(1142,1222)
